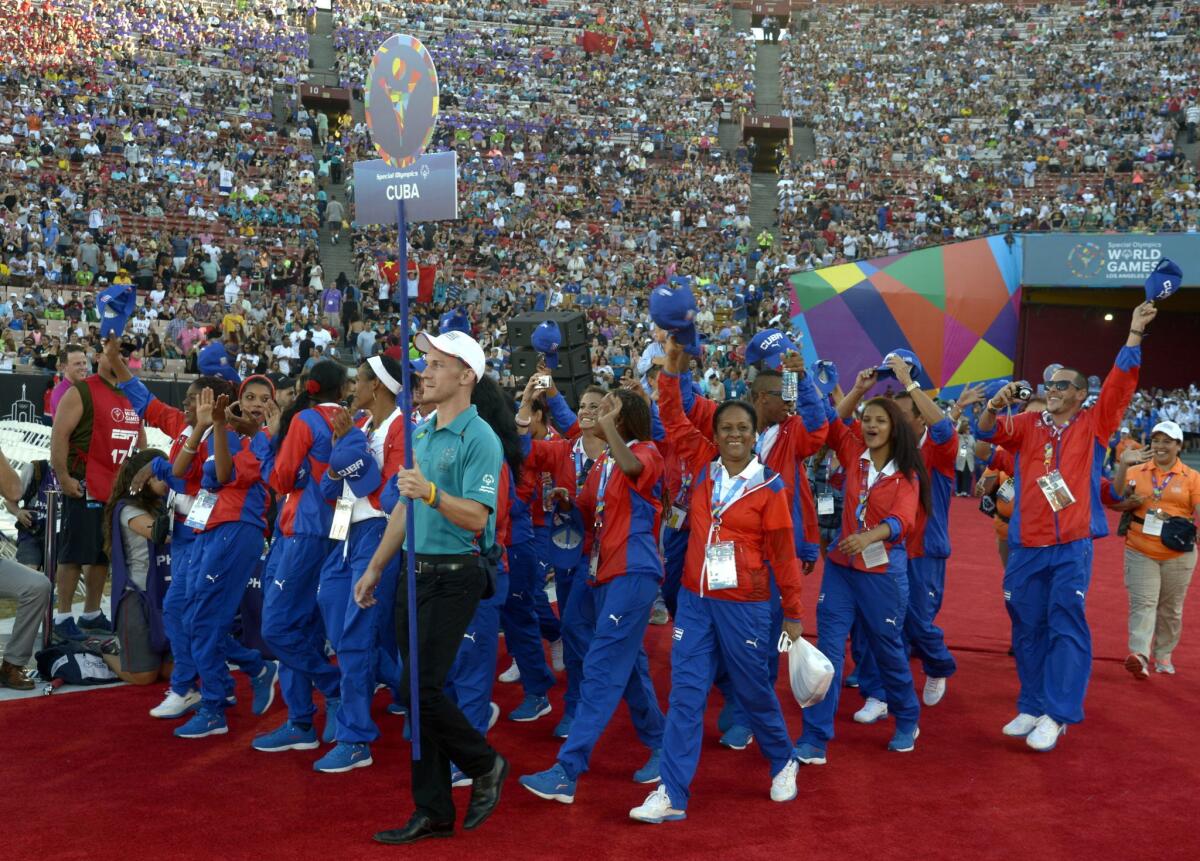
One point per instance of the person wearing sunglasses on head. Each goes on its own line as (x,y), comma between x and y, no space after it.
(1057,512)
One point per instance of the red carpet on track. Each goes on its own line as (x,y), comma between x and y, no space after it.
(92,776)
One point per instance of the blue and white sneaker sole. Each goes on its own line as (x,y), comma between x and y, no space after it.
(270,693)
(216,730)
(527,718)
(810,760)
(908,749)
(551,796)
(299,745)
(176,715)
(362,763)
(658,820)
(728,746)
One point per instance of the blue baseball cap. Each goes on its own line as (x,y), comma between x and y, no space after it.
(825,375)
(674,310)
(546,338)
(116,306)
(356,467)
(1166,278)
(454,321)
(915,370)
(566,539)
(213,360)
(768,347)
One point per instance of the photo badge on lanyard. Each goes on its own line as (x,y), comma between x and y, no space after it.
(201,510)
(678,514)
(720,560)
(340,528)
(875,554)
(1007,491)
(825,504)
(1153,524)
(1053,485)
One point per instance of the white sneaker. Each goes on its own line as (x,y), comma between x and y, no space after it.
(783,785)
(657,808)
(1021,726)
(512,674)
(556,656)
(1045,735)
(494,714)
(871,711)
(935,689)
(1164,667)
(176,706)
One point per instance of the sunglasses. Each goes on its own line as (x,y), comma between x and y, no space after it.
(1060,385)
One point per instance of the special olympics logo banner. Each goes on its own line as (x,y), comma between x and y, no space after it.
(401,100)
(1106,259)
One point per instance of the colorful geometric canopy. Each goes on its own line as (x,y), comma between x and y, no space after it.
(955,306)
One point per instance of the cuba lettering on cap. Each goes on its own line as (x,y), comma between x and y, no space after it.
(1166,278)
(768,347)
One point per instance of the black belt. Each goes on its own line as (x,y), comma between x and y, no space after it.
(435,563)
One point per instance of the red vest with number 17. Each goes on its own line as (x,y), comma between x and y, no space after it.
(115,427)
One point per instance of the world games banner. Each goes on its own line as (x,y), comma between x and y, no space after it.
(1106,259)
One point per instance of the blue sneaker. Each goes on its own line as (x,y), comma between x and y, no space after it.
(851,681)
(344,757)
(809,754)
(396,709)
(203,723)
(725,718)
(552,784)
(904,740)
(332,706)
(564,726)
(737,737)
(67,630)
(287,737)
(458,777)
(530,709)
(648,773)
(493,714)
(263,686)
(96,624)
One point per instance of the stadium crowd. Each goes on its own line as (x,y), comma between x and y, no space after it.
(938,122)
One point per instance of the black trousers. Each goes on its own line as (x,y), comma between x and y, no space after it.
(445,604)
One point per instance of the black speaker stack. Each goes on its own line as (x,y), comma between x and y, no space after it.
(574,371)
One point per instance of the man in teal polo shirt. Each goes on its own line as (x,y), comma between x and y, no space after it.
(457,460)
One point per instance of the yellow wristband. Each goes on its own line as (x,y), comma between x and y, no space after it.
(432,494)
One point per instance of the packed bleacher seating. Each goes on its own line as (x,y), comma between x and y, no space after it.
(937,122)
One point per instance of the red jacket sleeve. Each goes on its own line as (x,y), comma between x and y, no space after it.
(701,414)
(1002,461)
(846,442)
(393,459)
(1115,395)
(804,442)
(292,456)
(905,506)
(779,546)
(652,469)
(166,418)
(691,445)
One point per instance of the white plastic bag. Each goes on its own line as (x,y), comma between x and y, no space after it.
(810,671)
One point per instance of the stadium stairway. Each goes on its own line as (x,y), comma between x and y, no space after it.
(764,194)
(337,258)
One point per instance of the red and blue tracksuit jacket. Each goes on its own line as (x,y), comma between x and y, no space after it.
(758,522)
(242,499)
(799,436)
(294,470)
(1076,451)
(628,537)
(385,496)
(894,500)
(174,424)
(939,451)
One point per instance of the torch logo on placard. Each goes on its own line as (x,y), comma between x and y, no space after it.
(401,100)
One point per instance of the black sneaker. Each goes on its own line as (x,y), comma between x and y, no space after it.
(67,631)
(96,624)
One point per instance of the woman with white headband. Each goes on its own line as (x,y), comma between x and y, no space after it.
(366,454)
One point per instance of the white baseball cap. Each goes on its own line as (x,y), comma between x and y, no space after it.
(1171,429)
(457,344)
